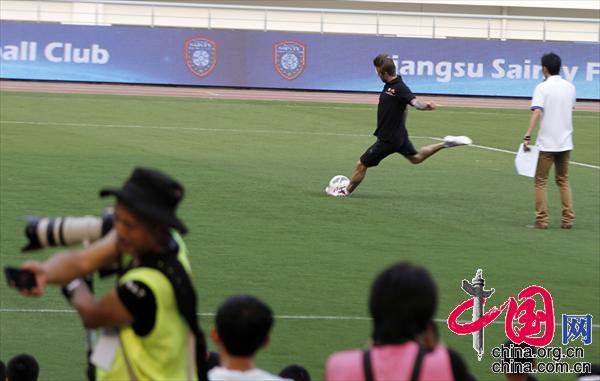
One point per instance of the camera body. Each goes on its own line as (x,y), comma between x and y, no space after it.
(19,278)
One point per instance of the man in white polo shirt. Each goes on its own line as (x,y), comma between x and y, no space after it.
(552,105)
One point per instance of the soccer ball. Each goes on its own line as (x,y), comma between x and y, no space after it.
(338,182)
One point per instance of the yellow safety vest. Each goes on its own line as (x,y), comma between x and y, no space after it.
(167,352)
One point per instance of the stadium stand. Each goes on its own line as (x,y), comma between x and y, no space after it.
(550,21)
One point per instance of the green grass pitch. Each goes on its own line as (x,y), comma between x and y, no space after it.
(260,222)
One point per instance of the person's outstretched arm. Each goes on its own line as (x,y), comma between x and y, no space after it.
(421,105)
(63,267)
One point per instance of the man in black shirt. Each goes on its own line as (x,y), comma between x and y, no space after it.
(391,132)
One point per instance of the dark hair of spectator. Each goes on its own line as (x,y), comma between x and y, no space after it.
(22,367)
(551,62)
(243,323)
(2,371)
(295,372)
(402,302)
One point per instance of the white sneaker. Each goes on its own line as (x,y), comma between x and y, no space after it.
(341,192)
(337,192)
(453,141)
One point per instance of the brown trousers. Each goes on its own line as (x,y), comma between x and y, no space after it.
(561,162)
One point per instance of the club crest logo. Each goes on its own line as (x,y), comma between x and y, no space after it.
(289,58)
(200,55)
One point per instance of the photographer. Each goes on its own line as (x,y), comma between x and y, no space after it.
(154,303)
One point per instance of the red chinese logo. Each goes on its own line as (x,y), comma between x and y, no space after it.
(533,326)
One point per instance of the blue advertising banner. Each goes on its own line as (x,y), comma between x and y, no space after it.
(184,56)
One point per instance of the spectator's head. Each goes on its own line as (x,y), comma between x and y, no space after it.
(552,63)
(22,367)
(243,324)
(295,372)
(145,210)
(402,302)
(2,371)
(518,361)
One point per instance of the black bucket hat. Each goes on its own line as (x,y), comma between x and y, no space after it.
(152,195)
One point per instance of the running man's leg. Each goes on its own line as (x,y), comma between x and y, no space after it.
(417,157)
(359,174)
(424,152)
(371,158)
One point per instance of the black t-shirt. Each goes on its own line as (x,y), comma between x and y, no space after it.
(390,112)
(141,304)
(138,298)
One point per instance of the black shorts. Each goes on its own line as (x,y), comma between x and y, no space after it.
(380,150)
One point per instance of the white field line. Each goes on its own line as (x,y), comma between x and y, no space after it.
(490,110)
(212,314)
(365,106)
(274,132)
(277,132)
(352,107)
(266,95)
(514,153)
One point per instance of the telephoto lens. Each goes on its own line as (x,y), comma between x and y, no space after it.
(45,232)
